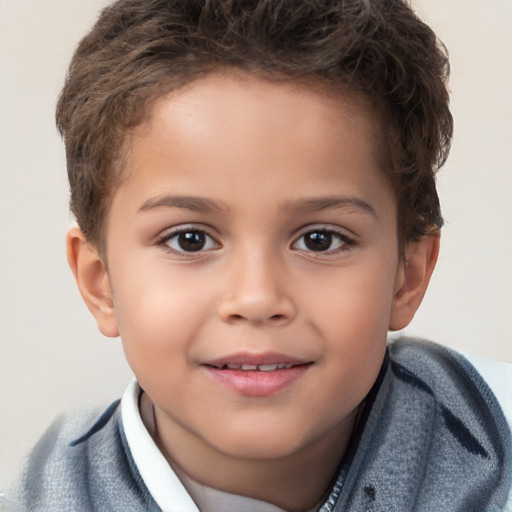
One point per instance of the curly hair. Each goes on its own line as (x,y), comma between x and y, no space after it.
(139,50)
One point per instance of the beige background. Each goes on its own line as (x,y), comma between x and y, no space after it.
(51,356)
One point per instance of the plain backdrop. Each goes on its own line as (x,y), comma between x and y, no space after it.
(52,357)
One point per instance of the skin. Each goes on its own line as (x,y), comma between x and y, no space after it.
(269,167)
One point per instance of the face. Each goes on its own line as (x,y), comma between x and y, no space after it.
(253,262)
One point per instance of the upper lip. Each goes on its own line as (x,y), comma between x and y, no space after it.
(246,358)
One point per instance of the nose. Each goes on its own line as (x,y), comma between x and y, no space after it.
(257,292)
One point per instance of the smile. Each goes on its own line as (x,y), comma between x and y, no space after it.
(255,367)
(262,375)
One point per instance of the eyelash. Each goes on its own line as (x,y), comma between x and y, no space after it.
(165,240)
(209,243)
(345,242)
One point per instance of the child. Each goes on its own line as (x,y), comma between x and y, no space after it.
(254,184)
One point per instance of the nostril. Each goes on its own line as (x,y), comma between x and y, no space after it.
(256,309)
(273,318)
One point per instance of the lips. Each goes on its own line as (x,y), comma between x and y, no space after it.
(255,367)
(249,361)
(257,375)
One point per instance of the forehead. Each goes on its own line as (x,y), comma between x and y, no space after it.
(213,105)
(241,95)
(231,131)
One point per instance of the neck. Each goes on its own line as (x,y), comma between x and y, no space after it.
(299,481)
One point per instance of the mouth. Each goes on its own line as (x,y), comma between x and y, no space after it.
(260,375)
(249,362)
(253,367)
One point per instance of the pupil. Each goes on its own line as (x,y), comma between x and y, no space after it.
(192,240)
(318,241)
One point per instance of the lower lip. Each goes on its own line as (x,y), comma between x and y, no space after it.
(257,383)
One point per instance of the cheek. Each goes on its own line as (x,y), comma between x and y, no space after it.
(360,302)
(157,316)
(354,318)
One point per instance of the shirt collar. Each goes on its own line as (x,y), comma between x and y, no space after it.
(158,476)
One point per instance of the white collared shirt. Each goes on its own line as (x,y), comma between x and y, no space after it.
(161,481)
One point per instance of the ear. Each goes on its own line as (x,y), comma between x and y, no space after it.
(92,280)
(412,279)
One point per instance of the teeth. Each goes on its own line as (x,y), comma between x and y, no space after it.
(258,367)
(248,367)
(267,367)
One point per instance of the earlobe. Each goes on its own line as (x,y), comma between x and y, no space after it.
(412,279)
(92,280)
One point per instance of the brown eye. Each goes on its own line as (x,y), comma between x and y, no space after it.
(191,241)
(318,241)
(323,241)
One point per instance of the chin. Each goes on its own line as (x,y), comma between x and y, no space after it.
(260,443)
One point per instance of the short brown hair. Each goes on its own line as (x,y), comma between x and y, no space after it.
(140,50)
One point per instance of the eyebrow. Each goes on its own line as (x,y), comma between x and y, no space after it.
(207,205)
(192,203)
(316,204)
